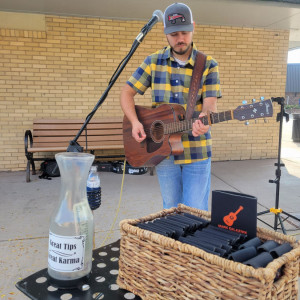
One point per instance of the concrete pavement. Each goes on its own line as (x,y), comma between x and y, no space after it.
(25,208)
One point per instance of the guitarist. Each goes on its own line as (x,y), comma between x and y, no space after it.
(184,178)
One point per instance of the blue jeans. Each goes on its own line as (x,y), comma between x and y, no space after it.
(184,183)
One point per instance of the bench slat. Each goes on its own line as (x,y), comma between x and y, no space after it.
(76,126)
(81,138)
(78,121)
(64,148)
(72,133)
(66,143)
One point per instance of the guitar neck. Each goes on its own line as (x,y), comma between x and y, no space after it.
(186,125)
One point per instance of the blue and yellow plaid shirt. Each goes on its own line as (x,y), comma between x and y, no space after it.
(170,83)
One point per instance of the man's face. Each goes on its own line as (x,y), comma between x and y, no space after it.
(180,41)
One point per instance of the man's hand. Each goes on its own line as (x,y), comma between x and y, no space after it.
(198,127)
(138,132)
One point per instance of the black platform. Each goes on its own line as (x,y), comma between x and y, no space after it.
(100,285)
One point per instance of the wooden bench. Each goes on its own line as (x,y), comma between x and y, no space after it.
(50,135)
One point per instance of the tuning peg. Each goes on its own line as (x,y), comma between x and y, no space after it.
(247,123)
(253,100)
(244,101)
(262,98)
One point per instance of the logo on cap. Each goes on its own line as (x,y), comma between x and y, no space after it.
(172,18)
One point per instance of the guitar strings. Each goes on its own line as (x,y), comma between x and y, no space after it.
(171,127)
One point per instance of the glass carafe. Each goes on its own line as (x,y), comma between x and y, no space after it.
(72,225)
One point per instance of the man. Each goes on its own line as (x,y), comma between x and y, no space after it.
(184,178)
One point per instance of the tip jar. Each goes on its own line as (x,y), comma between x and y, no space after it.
(72,225)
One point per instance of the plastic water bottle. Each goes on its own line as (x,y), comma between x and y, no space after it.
(93,189)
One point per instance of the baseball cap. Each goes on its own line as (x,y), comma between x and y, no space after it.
(178,17)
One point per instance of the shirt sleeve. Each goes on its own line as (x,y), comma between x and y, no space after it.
(211,85)
(141,78)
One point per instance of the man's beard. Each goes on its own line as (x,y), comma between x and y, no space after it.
(183,51)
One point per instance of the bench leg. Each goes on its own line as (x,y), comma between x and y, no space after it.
(33,167)
(30,161)
(28,171)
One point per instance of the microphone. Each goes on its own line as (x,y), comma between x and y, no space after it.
(156,16)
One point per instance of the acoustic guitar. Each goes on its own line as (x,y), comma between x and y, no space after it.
(165,125)
(232,216)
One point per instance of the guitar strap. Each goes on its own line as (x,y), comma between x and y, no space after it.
(195,84)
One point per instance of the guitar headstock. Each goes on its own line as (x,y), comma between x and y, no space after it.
(262,109)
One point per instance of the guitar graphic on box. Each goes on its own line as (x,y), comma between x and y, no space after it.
(232,217)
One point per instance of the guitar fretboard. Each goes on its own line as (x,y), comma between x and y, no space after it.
(186,125)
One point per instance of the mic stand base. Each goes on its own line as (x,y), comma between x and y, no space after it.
(74,147)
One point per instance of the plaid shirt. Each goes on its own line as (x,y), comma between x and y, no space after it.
(170,83)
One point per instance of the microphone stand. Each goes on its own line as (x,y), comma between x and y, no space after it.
(74,145)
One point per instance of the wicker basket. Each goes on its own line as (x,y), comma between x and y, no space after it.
(156,267)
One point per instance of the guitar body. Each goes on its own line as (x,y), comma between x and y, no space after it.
(158,144)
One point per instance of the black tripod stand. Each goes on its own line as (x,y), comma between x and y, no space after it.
(276,210)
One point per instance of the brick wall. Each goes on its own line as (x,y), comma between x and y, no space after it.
(62,71)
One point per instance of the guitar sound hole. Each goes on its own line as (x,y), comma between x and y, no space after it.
(157,131)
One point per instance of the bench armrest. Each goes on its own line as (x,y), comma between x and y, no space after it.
(28,136)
